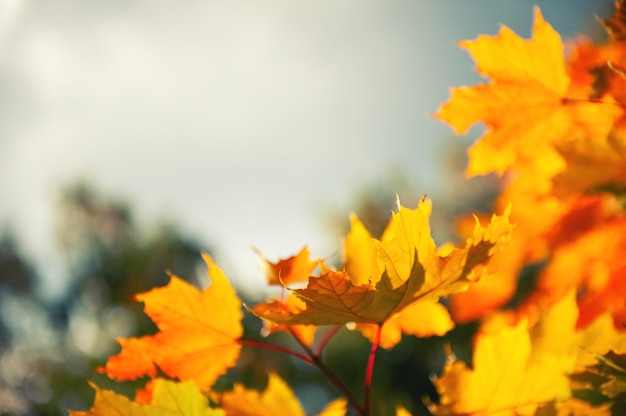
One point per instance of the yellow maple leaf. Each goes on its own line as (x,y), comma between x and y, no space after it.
(421,319)
(401,411)
(168,398)
(338,407)
(521,364)
(501,382)
(276,399)
(360,254)
(198,336)
(413,272)
(527,106)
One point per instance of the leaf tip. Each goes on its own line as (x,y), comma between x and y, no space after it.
(208,259)
(537,15)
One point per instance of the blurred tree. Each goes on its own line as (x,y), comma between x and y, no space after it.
(25,334)
(48,351)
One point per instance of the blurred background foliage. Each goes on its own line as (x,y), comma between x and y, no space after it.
(49,349)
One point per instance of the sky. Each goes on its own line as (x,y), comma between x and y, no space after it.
(241,120)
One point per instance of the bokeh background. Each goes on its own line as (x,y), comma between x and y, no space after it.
(135,134)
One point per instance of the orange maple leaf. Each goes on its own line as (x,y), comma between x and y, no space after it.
(410,270)
(166,398)
(594,264)
(293,304)
(496,286)
(198,336)
(296,268)
(527,107)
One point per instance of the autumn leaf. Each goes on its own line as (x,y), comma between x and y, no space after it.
(603,382)
(592,167)
(420,319)
(401,411)
(338,407)
(597,72)
(277,399)
(360,254)
(296,268)
(292,305)
(522,362)
(168,398)
(496,286)
(594,264)
(413,272)
(501,381)
(545,227)
(616,26)
(198,336)
(526,107)
(362,265)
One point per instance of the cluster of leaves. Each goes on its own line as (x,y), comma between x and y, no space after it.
(556,132)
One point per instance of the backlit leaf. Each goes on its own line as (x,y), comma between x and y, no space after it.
(522,362)
(293,304)
(198,336)
(168,398)
(338,407)
(276,399)
(421,319)
(413,272)
(527,106)
(296,268)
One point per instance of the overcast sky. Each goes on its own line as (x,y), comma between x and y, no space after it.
(240,119)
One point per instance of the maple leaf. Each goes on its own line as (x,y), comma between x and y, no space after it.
(501,382)
(168,398)
(198,336)
(296,268)
(413,272)
(603,382)
(592,166)
(522,362)
(544,225)
(616,26)
(420,319)
(338,407)
(594,264)
(277,399)
(362,266)
(360,257)
(293,304)
(527,106)
(497,283)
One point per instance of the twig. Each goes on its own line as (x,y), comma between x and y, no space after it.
(327,337)
(370,370)
(273,347)
(330,376)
